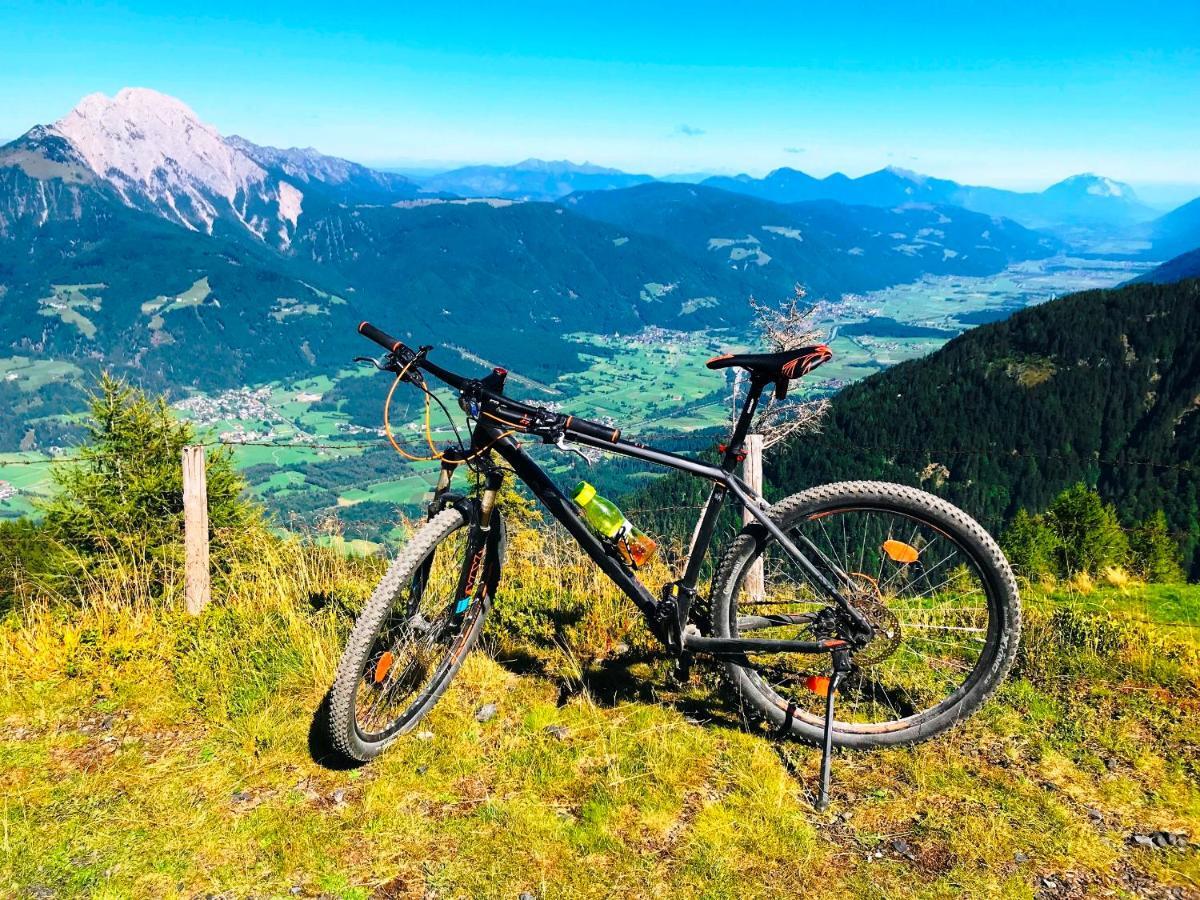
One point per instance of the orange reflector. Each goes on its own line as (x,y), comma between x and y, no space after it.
(383,666)
(900,552)
(818,684)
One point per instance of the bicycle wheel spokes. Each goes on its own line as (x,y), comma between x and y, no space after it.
(416,640)
(922,593)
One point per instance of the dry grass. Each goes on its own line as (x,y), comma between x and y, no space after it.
(146,754)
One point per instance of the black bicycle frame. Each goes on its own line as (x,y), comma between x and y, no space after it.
(671,624)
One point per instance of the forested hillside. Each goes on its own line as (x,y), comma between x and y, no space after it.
(1101,387)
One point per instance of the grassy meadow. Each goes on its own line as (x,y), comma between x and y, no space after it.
(147,754)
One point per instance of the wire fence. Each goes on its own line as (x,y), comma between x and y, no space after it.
(675,443)
(666,442)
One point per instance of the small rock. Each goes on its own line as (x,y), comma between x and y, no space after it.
(558,732)
(843,816)
(525,895)
(106,723)
(485,712)
(241,797)
(1095,815)
(424,735)
(1049,883)
(1141,840)
(295,890)
(1161,839)
(421,770)
(339,796)
(1110,763)
(900,845)
(1020,857)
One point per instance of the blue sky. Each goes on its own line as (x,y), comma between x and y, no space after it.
(1012,94)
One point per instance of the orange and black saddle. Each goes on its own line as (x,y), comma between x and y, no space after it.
(779,368)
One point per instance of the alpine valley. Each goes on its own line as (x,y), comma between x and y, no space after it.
(136,238)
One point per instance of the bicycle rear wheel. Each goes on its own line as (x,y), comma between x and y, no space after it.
(410,639)
(935,586)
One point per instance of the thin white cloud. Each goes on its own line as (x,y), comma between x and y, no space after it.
(686,130)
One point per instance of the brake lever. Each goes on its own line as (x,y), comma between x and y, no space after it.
(561,444)
(373,361)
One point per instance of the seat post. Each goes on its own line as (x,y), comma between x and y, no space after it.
(742,427)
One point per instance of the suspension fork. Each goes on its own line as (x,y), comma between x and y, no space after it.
(482,544)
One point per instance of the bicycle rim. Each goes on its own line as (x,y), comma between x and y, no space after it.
(927,596)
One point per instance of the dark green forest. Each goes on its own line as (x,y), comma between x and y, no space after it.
(1100,388)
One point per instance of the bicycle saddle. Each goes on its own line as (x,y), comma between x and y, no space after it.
(777,367)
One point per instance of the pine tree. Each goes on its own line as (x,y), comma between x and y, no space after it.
(124,499)
(1089,534)
(1031,545)
(1153,552)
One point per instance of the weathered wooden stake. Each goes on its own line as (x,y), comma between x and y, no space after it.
(752,474)
(195,530)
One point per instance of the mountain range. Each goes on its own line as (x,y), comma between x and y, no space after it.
(532,179)
(1081,200)
(1089,212)
(769,242)
(133,235)
(269,248)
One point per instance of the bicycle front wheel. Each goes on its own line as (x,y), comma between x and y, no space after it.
(411,638)
(937,589)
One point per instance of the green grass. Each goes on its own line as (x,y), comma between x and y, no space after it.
(68,303)
(407,490)
(145,754)
(32,374)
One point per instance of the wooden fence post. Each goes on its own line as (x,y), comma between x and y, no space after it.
(752,474)
(195,530)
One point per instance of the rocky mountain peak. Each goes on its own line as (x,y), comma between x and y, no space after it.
(153,148)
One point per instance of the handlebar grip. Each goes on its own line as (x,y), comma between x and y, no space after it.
(592,429)
(382,338)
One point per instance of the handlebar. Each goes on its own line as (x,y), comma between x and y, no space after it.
(529,419)
(382,338)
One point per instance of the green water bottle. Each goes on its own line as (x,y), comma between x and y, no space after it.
(607,520)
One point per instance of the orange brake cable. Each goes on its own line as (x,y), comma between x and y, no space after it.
(436,454)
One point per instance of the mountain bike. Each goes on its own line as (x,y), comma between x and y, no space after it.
(880,598)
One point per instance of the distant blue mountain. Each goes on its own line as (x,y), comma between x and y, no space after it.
(830,247)
(532,179)
(1090,201)
(1186,265)
(1176,232)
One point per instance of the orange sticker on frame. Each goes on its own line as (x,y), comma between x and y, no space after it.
(900,552)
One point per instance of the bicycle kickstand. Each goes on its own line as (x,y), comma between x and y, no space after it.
(841,665)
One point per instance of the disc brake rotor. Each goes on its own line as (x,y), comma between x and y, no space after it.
(868,601)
